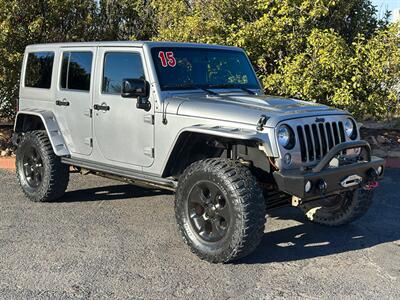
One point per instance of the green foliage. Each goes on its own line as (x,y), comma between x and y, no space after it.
(362,77)
(331,51)
(28,22)
(43,21)
(125,19)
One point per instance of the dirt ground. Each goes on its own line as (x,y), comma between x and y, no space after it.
(107,240)
(387,139)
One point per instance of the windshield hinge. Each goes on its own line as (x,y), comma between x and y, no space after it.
(261,122)
(149,119)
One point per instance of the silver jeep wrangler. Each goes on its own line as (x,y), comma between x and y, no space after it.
(191,118)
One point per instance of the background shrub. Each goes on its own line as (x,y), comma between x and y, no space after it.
(335,52)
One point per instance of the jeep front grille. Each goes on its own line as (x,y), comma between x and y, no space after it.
(318,138)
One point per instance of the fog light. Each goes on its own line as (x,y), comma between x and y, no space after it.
(380,170)
(322,185)
(308,186)
(287,159)
(372,174)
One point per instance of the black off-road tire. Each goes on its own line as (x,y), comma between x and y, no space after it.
(54,182)
(351,206)
(246,203)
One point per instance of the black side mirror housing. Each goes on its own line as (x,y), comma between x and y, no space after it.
(137,88)
(133,88)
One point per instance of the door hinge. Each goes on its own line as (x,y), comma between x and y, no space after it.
(149,151)
(149,119)
(89,142)
(88,113)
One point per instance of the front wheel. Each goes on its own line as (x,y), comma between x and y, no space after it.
(220,210)
(339,209)
(40,172)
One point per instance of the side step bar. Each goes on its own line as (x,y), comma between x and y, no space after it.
(135,177)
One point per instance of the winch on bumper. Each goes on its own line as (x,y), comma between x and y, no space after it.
(322,179)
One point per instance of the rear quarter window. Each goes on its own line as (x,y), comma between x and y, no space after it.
(76,71)
(39,69)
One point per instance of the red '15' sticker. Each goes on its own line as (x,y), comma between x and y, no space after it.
(167,59)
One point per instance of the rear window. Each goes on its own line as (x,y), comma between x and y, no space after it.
(39,69)
(76,70)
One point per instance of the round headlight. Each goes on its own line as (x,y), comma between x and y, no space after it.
(286,137)
(308,186)
(350,129)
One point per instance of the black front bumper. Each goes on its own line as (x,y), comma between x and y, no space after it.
(325,180)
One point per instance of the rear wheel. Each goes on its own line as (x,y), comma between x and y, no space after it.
(339,209)
(40,172)
(220,210)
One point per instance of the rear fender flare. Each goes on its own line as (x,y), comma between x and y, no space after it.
(50,124)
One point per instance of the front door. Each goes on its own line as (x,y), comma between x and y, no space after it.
(122,132)
(74,98)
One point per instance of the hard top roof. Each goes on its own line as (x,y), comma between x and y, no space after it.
(150,44)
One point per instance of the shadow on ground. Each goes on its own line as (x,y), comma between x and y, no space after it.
(306,240)
(297,241)
(111,192)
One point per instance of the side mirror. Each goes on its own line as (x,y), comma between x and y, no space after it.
(137,88)
(134,88)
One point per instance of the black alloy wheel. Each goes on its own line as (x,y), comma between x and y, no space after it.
(209,212)
(220,209)
(40,172)
(33,167)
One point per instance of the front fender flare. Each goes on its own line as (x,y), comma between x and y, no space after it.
(263,138)
(50,124)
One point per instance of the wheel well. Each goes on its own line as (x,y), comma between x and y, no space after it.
(192,146)
(27,123)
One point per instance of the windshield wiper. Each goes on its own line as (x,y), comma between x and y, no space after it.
(232,86)
(189,86)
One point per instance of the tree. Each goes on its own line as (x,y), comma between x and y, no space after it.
(125,19)
(38,21)
(332,51)
(309,49)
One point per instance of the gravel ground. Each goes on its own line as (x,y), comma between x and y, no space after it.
(109,240)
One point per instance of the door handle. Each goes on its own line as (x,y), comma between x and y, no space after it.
(102,107)
(64,102)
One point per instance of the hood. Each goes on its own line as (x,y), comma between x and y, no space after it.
(246,108)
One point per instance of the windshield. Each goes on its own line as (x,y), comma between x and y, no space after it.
(187,68)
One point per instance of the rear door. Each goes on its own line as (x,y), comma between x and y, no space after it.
(74,98)
(123,132)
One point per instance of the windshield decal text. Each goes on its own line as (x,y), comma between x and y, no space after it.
(167,59)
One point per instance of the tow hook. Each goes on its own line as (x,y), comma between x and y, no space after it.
(371,185)
(372,174)
(372,182)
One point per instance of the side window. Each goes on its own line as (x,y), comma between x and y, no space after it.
(76,70)
(119,66)
(39,69)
